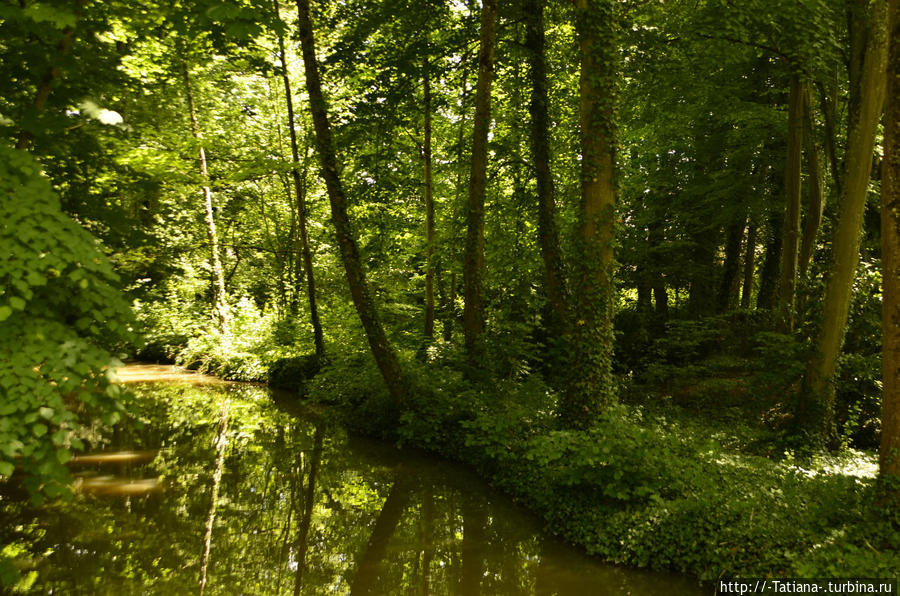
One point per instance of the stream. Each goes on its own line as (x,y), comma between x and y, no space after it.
(226,488)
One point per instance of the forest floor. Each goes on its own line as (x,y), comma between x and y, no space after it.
(695,480)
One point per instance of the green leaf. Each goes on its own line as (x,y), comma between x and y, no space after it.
(39,430)
(6,468)
(5,311)
(46,412)
(17,303)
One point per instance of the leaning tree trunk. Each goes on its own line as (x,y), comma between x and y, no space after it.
(591,388)
(300,191)
(540,149)
(220,300)
(889,456)
(382,350)
(792,182)
(814,412)
(473,264)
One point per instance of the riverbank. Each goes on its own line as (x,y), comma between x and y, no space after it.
(653,485)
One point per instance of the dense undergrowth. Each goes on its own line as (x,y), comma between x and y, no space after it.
(693,472)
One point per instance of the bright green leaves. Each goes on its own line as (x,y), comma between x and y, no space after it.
(59,310)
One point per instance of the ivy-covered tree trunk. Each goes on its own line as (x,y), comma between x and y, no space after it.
(382,350)
(300,192)
(889,455)
(793,186)
(473,263)
(814,412)
(554,279)
(429,206)
(816,199)
(220,298)
(591,388)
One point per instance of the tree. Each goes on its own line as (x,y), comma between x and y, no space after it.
(60,314)
(815,410)
(554,280)
(889,454)
(300,193)
(220,298)
(592,387)
(384,354)
(791,233)
(473,264)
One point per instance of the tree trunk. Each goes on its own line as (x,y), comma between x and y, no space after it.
(300,192)
(815,410)
(220,300)
(727,299)
(660,294)
(540,149)
(889,455)
(591,388)
(793,186)
(473,264)
(749,266)
(768,277)
(356,277)
(816,200)
(429,208)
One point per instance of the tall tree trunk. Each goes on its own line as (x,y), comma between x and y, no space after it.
(429,206)
(591,388)
(768,277)
(816,199)
(473,264)
(300,192)
(382,350)
(814,412)
(727,299)
(749,266)
(702,298)
(554,280)
(793,186)
(889,455)
(220,300)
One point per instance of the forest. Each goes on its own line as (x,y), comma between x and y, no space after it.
(635,263)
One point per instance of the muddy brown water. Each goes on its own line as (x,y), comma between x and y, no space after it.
(222,488)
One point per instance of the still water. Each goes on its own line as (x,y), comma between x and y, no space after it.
(227,489)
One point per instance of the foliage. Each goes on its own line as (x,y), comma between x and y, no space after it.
(293,372)
(60,314)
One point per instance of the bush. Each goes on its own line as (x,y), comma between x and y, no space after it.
(293,372)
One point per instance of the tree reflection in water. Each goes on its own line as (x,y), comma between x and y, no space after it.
(301,509)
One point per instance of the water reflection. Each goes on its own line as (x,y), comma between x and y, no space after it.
(260,501)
